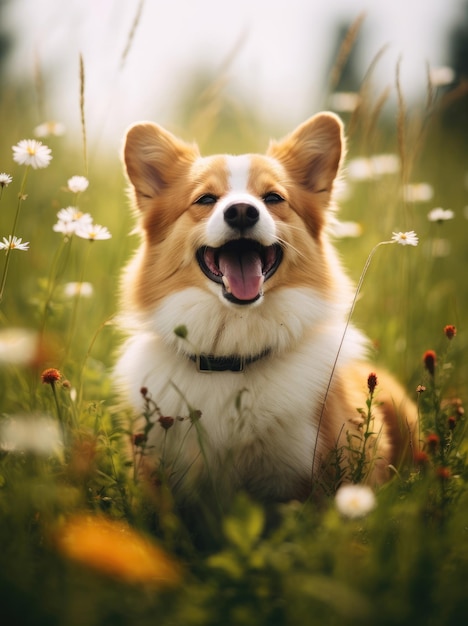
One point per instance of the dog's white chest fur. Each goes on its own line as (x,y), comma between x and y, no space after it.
(258,428)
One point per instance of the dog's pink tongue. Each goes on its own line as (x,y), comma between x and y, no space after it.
(242,274)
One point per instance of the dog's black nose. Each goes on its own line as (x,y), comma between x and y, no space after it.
(241,215)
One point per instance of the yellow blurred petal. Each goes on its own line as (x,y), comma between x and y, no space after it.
(115,549)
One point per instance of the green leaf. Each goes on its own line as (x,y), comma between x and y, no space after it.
(181,331)
(245,525)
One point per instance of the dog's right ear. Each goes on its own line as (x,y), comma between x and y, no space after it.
(154,157)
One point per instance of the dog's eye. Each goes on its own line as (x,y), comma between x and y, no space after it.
(272,198)
(206,199)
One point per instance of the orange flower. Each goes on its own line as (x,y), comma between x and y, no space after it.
(114,549)
(50,376)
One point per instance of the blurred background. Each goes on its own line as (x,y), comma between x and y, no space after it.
(230,76)
(151,60)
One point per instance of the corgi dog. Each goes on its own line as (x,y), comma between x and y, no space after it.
(236,309)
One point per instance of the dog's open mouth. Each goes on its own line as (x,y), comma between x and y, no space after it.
(241,266)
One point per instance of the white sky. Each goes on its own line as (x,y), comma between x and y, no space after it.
(280,64)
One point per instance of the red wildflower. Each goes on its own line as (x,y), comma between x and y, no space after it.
(452,422)
(166,421)
(429,359)
(432,441)
(443,473)
(139,439)
(372,382)
(421,458)
(450,331)
(50,376)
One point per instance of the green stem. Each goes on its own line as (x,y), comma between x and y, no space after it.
(348,320)
(54,274)
(74,315)
(60,418)
(363,461)
(13,232)
(86,357)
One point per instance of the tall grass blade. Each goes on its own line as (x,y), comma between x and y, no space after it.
(82,114)
(131,34)
(345,51)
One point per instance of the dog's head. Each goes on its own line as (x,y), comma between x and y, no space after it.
(236,226)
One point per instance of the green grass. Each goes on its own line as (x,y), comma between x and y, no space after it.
(406,562)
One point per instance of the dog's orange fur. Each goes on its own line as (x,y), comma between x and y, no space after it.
(297,320)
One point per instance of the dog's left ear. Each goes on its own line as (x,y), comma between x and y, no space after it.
(312,154)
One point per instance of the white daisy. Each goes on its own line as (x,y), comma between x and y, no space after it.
(73,214)
(345,101)
(77,184)
(441,76)
(93,232)
(66,228)
(440,215)
(14,243)
(39,434)
(354,501)
(50,128)
(418,192)
(406,239)
(377,165)
(5,179)
(33,153)
(343,230)
(69,219)
(78,289)
(385,164)
(18,346)
(360,168)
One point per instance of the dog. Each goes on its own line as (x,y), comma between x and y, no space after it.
(239,355)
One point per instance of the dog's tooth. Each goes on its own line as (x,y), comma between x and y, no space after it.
(226,284)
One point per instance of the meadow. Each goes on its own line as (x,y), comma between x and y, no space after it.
(82,541)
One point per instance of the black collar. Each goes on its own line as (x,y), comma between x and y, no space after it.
(232,363)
